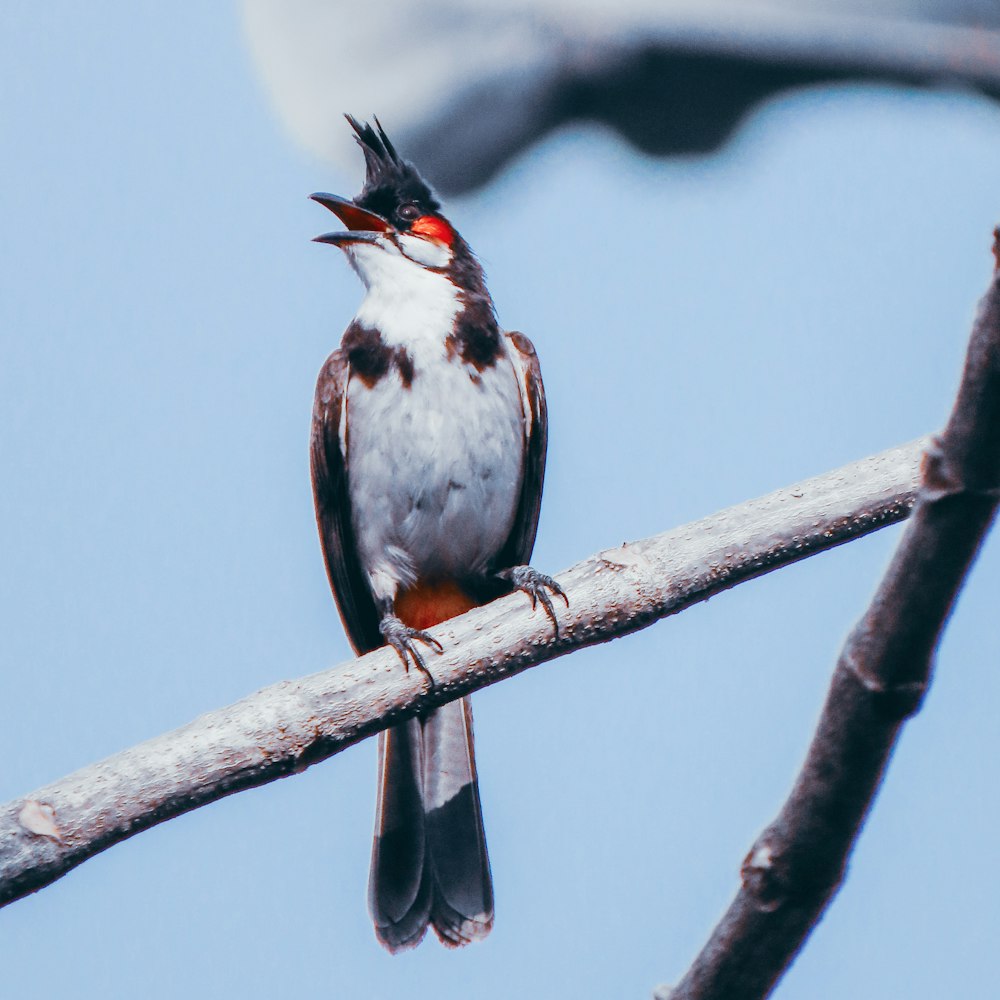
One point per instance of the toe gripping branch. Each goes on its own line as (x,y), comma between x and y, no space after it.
(402,638)
(537,586)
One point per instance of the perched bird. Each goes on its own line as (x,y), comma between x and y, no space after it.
(428,454)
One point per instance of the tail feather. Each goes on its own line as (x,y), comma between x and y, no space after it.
(462,909)
(399,894)
(429,861)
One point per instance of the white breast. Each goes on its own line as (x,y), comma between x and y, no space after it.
(434,469)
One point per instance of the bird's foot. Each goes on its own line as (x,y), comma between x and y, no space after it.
(402,638)
(537,586)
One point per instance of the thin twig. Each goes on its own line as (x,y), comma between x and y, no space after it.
(289,726)
(798,863)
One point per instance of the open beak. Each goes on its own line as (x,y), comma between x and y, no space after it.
(362,226)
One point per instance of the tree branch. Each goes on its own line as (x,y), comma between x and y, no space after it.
(799,862)
(287,727)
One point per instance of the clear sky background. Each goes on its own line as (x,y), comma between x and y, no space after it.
(709,330)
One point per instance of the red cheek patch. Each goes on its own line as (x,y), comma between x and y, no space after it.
(432,227)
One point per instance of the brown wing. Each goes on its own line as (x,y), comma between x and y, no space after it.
(333,508)
(517,549)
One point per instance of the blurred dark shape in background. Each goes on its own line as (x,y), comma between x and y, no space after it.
(469,85)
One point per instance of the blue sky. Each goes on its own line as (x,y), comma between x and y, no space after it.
(709,330)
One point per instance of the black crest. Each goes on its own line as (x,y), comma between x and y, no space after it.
(390,181)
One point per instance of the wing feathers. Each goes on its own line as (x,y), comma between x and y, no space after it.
(517,549)
(333,509)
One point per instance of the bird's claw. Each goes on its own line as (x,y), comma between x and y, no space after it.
(402,638)
(537,586)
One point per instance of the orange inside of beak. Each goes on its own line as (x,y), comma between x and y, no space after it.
(358,220)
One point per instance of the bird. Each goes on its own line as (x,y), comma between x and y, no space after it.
(428,451)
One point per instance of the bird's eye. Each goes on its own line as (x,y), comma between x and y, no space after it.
(408,212)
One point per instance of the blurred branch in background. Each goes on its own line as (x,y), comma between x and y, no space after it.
(473,84)
(799,861)
(291,725)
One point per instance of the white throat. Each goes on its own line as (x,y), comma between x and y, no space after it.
(406,302)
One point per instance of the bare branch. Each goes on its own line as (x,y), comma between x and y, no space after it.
(287,727)
(798,863)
